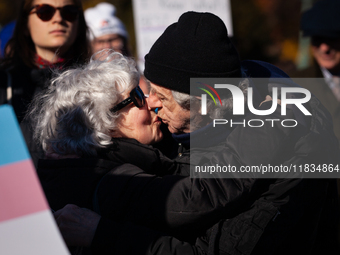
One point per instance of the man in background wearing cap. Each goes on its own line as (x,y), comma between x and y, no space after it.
(211,215)
(322,24)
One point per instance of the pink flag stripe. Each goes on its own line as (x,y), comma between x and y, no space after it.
(20,191)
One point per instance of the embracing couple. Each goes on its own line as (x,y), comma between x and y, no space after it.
(96,126)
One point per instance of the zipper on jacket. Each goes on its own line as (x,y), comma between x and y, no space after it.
(180,150)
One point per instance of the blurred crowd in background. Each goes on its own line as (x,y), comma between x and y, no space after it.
(263,29)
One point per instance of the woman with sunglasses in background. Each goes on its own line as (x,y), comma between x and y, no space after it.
(49,34)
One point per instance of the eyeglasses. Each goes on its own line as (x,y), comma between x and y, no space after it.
(45,12)
(114,42)
(136,96)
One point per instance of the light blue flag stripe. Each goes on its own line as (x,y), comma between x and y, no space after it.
(12,144)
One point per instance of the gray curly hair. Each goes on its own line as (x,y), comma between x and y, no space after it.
(73,115)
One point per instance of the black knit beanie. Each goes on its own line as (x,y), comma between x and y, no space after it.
(197,46)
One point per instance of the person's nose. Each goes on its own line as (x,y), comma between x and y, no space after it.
(324,47)
(153,101)
(57,17)
(106,45)
(116,45)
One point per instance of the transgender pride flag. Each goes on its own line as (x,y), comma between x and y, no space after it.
(27,225)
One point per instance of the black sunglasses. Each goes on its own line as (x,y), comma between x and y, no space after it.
(136,96)
(46,12)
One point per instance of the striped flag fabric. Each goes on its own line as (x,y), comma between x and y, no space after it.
(27,225)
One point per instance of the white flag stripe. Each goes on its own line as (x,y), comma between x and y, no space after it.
(36,233)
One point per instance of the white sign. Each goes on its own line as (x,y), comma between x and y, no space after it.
(152,17)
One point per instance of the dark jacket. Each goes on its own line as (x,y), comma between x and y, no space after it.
(231,216)
(75,181)
(72,181)
(25,82)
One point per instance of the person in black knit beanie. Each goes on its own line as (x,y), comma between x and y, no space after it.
(196,46)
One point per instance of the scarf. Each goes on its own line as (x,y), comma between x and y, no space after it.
(43,64)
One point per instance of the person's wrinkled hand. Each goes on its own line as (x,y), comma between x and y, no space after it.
(77,225)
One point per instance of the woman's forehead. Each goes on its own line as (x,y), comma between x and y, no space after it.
(56,3)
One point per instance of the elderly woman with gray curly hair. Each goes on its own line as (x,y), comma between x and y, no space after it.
(89,120)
